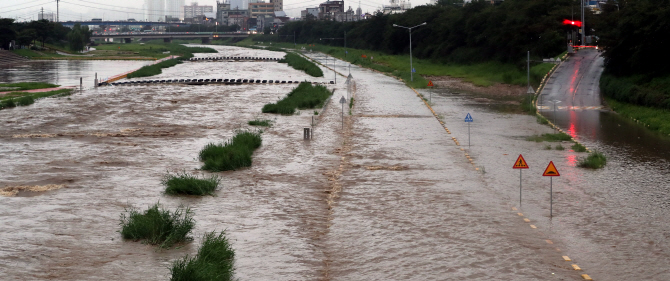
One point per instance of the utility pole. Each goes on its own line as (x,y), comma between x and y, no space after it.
(583,23)
(42,13)
(57,12)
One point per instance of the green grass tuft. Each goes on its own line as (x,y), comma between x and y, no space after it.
(230,155)
(550,137)
(214,261)
(595,160)
(24,86)
(578,147)
(15,99)
(154,69)
(157,226)
(559,147)
(300,63)
(183,183)
(25,100)
(542,120)
(303,97)
(547,147)
(264,123)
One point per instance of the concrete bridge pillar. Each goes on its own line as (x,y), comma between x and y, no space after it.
(167,40)
(127,40)
(206,40)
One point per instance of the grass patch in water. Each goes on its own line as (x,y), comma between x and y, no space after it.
(305,96)
(577,147)
(157,226)
(214,261)
(231,155)
(655,119)
(547,147)
(300,63)
(550,137)
(264,123)
(24,86)
(184,183)
(595,160)
(559,147)
(15,99)
(154,69)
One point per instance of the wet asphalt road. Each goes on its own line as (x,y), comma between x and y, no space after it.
(575,83)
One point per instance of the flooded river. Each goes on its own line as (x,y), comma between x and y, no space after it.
(388,196)
(66,72)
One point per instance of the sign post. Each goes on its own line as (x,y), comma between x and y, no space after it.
(343,101)
(551,172)
(468,119)
(430,84)
(520,164)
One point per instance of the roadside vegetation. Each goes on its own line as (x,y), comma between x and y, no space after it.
(550,137)
(15,99)
(263,123)
(595,160)
(214,261)
(578,147)
(656,119)
(23,86)
(154,69)
(231,155)
(187,184)
(157,226)
(305,96)
(300,63)
(636,79)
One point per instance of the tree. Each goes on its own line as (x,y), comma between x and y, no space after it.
(26,36)
(43,28)
(76,39)
(7,32)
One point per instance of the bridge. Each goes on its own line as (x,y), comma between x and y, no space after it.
(168,36)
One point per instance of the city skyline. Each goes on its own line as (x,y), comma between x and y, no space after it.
(133,9)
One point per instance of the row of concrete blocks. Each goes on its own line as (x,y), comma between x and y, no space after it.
(235,58)
(202,81)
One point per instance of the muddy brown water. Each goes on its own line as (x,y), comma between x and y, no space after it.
(66,72)
(389,197)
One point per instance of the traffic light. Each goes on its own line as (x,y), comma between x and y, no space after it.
(573,22)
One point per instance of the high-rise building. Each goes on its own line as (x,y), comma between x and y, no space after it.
(278,4)
(154,10)
(239,4)
(194,10)
(173,8)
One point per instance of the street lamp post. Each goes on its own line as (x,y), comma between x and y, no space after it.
(342,38)
(411,68)
(288,36)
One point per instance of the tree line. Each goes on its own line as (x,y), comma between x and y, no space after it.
(471,33)
(42,31)
(634,37)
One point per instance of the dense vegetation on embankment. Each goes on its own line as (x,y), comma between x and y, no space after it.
(482,43)
(634,36)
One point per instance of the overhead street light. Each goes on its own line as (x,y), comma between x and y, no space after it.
(411,68)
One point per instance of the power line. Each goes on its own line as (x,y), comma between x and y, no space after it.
(29,2)
(26,7)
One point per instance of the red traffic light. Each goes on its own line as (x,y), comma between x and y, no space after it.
(573,22)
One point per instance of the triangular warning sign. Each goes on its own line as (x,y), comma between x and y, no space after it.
(430,83)
(551,170)
(520,163)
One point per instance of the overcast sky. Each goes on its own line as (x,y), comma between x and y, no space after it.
(123,9)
